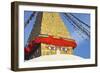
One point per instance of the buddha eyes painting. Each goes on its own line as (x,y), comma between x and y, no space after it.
(51,36)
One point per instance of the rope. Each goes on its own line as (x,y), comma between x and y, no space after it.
(30,18)
(80,20)
(80,27)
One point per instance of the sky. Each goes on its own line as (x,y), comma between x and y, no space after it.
(83,45)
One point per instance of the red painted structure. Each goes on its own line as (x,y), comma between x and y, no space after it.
(51,40)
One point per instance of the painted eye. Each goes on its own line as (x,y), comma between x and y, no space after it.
(61,48)
(52,48)
(49,47)
(64,49)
